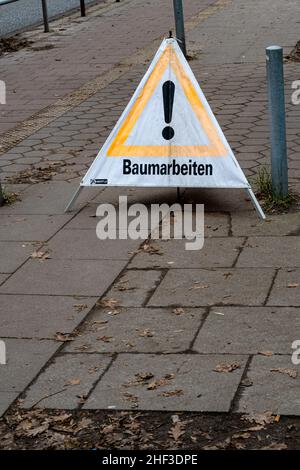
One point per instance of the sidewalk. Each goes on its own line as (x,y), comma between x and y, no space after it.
(107,326)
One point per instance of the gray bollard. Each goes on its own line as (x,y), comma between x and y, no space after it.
(179,22)
(82,7)
(276,97)
(45,16)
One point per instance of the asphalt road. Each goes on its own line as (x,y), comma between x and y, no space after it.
(25,13)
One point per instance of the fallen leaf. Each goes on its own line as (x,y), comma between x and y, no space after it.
(173,393)
(146,333)
(108,302)
(64,337)
(242,435)
(80,307)
(105,339)
(259,418)
(275,446)
(290,372)
(176,431)
(41,255)
(73,382)
(178,311)
(160,382)
(293,285)
(266,353)
(223,367)
(39,430)
(140,378)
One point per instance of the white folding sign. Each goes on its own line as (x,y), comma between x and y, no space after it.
(168,135)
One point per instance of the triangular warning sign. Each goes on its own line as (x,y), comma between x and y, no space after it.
(167,135)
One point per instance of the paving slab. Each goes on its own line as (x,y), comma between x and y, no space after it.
(6,399)
(179,383)
(249,330)
(245,224)
(25,358)
(274,391)
(220,200)
(286,289)
(144,330)
(216,252)
(84,244)
(270,252)
(66,382)
(203,287)
(134,287)
(13,255)
(31,228)
(48,198)
(3,277)
(63,277)
(41,316)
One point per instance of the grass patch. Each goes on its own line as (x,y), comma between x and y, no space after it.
(268,198)
(10,197)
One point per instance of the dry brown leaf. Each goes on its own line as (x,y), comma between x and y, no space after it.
(178,311)
(160,382)
(108,302)
(176,431)
(72,382)
(105,339)
(293,285)
(242,435)
(266,353)
(173,393)
(290,372)
(41,255)
(259,418)
(38,430)
(202,286)
(80,307)
(64,337)
(224,367)
(146,333)
(275,446)
(140,378)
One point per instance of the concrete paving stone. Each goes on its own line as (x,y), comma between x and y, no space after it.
(66,381)
(204,287)
(31,228)
(216,252)
(244,224)
(270,252)
(13,255)
(3,277)
(6,399)
(84,244)
(24,315)
(134,287)
(48,198)
(272,391)
(220,200)
(188,383)
(144,330)
(25,358)
(286,288)
(64,277)
(249,330)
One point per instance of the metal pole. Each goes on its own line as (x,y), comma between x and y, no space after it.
(179,22)
(277,120)
(82,7)
(1,196)
(45,16)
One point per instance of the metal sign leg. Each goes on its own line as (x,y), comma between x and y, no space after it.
(256,203)
(73,200)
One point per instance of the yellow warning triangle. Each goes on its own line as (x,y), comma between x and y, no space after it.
(215,146)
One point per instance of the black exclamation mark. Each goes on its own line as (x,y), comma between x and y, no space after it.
(168,95)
